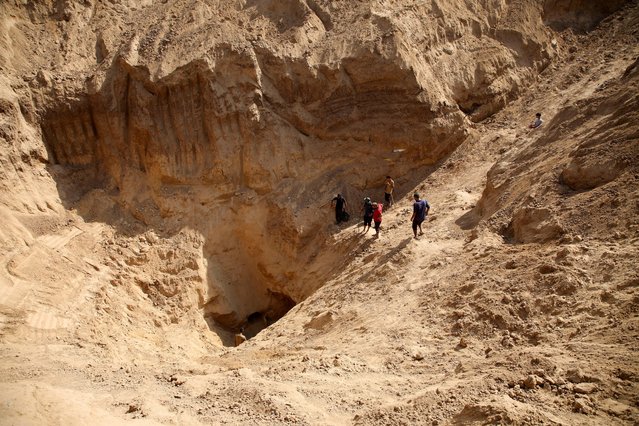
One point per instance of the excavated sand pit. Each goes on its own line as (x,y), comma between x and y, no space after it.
(166,170)
(173,155)
(255,257)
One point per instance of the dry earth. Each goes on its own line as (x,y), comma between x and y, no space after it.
(165,173)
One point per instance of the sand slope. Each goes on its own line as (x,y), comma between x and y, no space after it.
(124,273)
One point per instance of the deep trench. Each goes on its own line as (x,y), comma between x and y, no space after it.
(237,267)
(251,292)
(252,297)
(244,294)
(174,151)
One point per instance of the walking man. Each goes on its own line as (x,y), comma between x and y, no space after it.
(389,186)
(340,207)
(367,209)
(420,211)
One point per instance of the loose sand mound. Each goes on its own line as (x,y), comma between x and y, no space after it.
(165,177)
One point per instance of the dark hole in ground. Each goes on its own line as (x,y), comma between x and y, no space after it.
(278,305)
(258,321)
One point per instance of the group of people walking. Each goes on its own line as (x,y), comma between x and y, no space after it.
(372,211)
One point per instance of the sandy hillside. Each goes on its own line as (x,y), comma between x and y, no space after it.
(165,176)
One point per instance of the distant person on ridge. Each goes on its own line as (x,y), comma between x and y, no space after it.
(420,211)
(367,209)
(389,186)
(538,121)
(377,217)
(340,208)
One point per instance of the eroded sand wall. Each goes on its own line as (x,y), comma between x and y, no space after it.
(241,133)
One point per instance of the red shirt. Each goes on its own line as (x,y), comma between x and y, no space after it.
(377,214)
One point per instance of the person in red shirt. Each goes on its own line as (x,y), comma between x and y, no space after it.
(377,216)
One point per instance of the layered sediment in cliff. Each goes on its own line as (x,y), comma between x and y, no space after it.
(240,120)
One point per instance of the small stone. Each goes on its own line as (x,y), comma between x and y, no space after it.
(582,405)
(562,254)
(532,381)
(585,388)
(575,375)
(151,237)
(507,342)
(619,235)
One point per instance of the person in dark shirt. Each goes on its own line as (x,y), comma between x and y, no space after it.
(420,211)
(367,209)
(340,206)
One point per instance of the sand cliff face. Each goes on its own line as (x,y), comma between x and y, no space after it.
(243,130)
(166,168)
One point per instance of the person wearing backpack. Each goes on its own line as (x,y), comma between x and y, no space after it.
(377,217)
(420,211)
(367,209)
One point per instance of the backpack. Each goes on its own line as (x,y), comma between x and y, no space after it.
(368,209)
